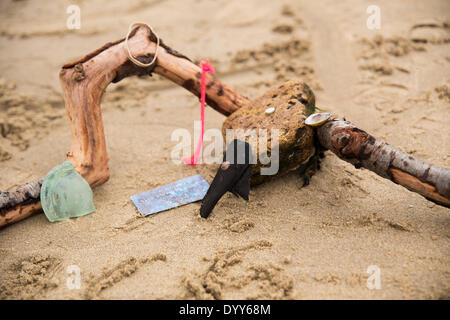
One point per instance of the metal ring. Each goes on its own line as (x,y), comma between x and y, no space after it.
(130,56)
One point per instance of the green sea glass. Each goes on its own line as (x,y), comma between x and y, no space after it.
(65,194)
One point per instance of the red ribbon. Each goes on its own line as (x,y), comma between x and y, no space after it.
(206,67)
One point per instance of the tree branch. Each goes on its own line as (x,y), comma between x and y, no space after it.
(20,203)
(362,150)
(84,82)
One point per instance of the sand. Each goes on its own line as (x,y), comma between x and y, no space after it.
(286,242)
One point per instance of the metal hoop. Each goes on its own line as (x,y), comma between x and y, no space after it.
(130,56)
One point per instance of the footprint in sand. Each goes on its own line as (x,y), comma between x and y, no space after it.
(238,225)
(96,284)
(29,277)
(229,275)
(431,31)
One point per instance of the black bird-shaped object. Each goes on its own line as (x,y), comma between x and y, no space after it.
(233,175)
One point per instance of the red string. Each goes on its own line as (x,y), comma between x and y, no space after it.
(206,67)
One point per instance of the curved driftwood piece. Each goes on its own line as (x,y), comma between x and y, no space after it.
(84,82)
(20,203)
(362,150)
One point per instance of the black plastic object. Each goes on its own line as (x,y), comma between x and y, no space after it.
(233,175)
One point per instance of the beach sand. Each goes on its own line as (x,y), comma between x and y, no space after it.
(285,243)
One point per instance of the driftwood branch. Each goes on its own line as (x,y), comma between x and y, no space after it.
(84,82)
(20,203)
(362,150)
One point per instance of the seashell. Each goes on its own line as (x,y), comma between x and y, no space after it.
(65,194)
(317,119)
(270,110)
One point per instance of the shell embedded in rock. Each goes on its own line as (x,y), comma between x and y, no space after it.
(317,119)
(293,102)
(65,194)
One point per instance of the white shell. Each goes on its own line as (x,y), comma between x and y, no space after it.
(317,119)
(270,110)
(225,165)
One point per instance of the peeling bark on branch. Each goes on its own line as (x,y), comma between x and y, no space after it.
(362,150)
(20,203)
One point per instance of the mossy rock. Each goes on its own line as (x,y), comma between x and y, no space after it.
(293,101)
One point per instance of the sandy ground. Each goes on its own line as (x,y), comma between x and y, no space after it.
(286,243)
